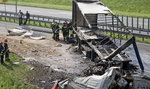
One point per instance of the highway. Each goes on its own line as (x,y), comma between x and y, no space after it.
(38,11)
(67,14)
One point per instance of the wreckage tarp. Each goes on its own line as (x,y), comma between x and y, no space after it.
(103,81)
(93,8)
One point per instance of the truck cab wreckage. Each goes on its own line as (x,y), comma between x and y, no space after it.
(90,20)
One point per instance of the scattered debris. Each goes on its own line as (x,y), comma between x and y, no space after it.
(16,63)
(37,37)
(16,32)
(58,45)
(43,81)
(28,34)
(111,79)
(32,68)
(44,76)
(25,32)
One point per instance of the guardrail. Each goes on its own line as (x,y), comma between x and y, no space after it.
(35,18)
(140,27)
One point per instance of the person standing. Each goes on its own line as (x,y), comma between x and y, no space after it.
(56,32)
(20,15)
(64,30)
(70,30)
(53,28)
(1,53)
(53,25)
(27,18)
(6,50)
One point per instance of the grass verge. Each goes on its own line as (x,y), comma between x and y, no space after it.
(12,76)
(43,5)
(127,37)
(135,14)
(33,23)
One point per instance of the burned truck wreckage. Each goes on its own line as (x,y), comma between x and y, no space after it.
(90,20)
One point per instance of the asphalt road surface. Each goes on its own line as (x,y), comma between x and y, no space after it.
(65,14)
(38,11)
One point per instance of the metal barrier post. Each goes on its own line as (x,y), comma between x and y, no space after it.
(132,24)
(148,26)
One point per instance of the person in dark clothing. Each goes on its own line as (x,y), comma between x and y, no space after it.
(27,18)
(70,32)
(65,30)
(20,14)
(56,33)
(6,50)
(53,27)
(70,29)
(1,53)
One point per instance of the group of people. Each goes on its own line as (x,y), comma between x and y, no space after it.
(4,51)
(66,29)
(20,15)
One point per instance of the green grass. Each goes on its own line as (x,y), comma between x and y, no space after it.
(137,8)
(134,14)
(53,4)
(127,37)
(13,76)
(47,25)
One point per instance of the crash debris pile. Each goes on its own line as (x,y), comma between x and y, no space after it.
(113,69)
(113,78)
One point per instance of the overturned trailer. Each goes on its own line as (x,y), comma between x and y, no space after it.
(92,41)
(89,19)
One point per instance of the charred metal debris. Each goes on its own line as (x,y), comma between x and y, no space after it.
(112,69)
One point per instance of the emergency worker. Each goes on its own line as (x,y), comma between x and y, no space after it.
(70,30)
(53,25)
(6,50)
(1,53)
(56,33)
(65,30)
(53,28)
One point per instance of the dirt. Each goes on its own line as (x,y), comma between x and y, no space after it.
(44,76)
(48,52)
(52,60)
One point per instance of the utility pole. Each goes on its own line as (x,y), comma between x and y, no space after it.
(5,7)
(16,6)
(4,1)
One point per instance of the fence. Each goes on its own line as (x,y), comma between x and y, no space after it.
(123,26)
(140,27)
